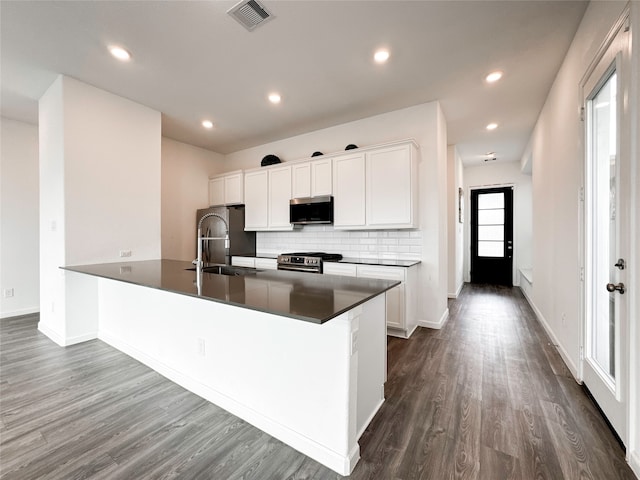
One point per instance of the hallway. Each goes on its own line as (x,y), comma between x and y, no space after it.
(485,397)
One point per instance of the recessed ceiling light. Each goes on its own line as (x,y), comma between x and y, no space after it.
(494,76)
(274,98)
(492,126)
(489,154)
(120,53)
(207,124)
(381,56)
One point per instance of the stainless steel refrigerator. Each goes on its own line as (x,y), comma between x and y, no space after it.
(241,243)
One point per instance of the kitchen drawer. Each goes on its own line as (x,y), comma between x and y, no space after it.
(344,269)
(381,272)
(266,263)
(243,262)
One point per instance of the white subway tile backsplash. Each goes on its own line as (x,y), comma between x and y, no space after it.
(392,244)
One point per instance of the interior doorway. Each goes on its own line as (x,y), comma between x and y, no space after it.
(492,236)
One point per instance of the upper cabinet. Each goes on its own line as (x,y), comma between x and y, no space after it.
(376,188)
(227,189)
(267,195)
(312,179)
(349,202)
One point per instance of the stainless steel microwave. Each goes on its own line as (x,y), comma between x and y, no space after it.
(310,210)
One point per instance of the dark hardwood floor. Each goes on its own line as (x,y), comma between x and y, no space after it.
(486,397)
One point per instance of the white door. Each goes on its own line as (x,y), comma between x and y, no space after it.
(607,231)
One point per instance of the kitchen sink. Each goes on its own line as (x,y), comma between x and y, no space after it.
(227,270)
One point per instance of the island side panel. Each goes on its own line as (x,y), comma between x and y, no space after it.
(295,380)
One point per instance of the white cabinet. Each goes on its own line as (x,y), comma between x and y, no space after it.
(376,188)
(301,180)
(249,262)
(349,191)
(267,195)
(392,187)
(311,179)
(344,269)
(256,192)
(279,197)
(401,300)
(266,263)
(227,189)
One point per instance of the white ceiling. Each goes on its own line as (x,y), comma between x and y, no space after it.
(192,61)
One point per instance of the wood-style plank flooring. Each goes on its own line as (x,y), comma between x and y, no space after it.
(486,397)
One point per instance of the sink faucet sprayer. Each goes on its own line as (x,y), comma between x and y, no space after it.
(198,261)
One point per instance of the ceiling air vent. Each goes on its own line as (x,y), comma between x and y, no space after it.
(250,14)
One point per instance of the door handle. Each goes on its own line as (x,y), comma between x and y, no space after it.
(612,288)
(620,264)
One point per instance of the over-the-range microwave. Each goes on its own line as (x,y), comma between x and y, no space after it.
(311,210)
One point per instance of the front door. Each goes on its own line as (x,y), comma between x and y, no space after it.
(492,236)
(606,232)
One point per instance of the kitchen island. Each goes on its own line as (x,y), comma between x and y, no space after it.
(300,356)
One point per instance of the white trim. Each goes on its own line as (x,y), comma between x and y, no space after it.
(52,334)
(457,293)
(563,353)
(435,325)
(634,463)
(19,312)
(341,464)
(81,338)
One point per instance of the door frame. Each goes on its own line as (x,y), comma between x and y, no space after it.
(602,64)
(467,228)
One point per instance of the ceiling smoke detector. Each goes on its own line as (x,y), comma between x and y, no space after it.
(250,14)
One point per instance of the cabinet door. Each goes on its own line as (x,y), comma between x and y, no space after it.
(349,191)
(390,188)
(266,263)
(321,177)
(255,199)
(243,262)
(395,296)
(216,191)
(344,269)
(234,189)
(279,197)
(301,180)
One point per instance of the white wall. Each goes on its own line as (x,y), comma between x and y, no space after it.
(185,188)
(19,218)
(99,194)
(426,124)
(455,250)
(556,147)
(493,174)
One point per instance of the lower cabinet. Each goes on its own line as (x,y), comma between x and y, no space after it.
(255,262)
(401,300)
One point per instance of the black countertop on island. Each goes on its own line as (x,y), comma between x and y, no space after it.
(304,296)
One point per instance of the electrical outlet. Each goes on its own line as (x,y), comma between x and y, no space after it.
(125,253)
(7,293)
(201,347)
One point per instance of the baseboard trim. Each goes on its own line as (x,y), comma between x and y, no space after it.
(563,353)
(19,312)
(457,293)
(634,463)
(343,464)
(436,325)
(52,334)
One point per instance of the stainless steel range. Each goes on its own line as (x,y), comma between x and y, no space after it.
(306,261)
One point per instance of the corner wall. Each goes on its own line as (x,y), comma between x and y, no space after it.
(455,251)
(99,195)
(185,189)
(19,218)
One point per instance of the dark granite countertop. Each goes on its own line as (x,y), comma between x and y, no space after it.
(362,261)
(303,296)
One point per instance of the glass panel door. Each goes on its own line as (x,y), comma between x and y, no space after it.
(603,134)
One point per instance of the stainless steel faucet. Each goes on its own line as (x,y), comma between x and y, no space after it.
(198,261)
